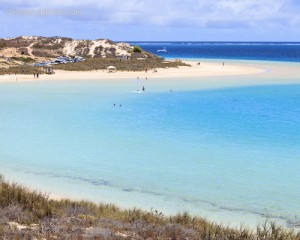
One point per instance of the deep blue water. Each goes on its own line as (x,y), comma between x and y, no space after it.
(289,52)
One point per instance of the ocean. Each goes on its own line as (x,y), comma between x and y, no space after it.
(269,51)
(229,154)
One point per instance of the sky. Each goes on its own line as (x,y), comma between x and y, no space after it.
(153,20)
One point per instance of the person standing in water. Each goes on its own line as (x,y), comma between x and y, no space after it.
(143,88)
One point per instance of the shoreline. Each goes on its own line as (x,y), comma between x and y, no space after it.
(90,218)
(224,219)
(210,74)
(205,69)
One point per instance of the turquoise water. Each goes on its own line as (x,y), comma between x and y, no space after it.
(229,154)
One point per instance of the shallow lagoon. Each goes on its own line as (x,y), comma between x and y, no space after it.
(229,154)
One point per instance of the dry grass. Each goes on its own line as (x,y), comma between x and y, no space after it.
(94,64)
(24,59)
(121,65)
(66,219)
(20,69)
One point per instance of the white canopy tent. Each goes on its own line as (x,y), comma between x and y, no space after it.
(111,69)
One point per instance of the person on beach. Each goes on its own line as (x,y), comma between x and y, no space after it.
(37,75)
(34,75)
(223,64)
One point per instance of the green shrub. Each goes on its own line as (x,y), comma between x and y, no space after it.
(137,49)
(2,44)
(24,59)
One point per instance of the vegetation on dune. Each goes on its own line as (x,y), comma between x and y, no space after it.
(2,44)
(108,41)
(23,51)
(24,59)
(137,49)
(94,64)
(21,69)
(42,217)
(16,42)
(54,46)
(46,53)
(121,65)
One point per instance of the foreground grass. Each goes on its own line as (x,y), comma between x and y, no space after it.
(43,218)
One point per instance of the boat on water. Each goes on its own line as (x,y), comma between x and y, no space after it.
(162,50)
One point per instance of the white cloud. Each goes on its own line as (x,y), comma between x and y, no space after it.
(200,13)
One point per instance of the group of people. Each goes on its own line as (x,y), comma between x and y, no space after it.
(36,75)
(138,78)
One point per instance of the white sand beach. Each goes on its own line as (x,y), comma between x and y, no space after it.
(205,69)
(279,72)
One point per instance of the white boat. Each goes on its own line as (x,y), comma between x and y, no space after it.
(162,50)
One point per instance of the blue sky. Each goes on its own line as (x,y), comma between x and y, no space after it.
(165,20)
